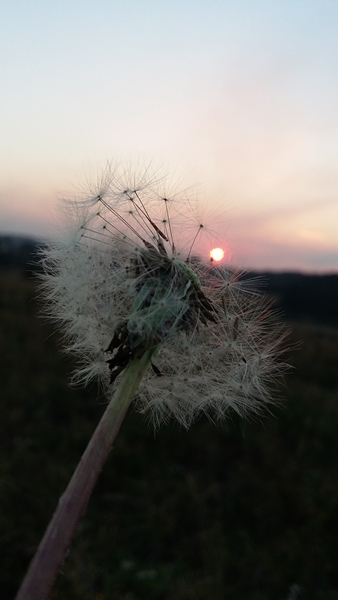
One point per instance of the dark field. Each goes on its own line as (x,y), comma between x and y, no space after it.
(243,511)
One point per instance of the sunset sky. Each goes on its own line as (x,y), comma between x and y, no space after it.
(238,98)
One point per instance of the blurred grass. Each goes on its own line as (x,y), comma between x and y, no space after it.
(243,510)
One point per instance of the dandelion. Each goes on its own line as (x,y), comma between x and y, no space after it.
(121,285)
(153,322)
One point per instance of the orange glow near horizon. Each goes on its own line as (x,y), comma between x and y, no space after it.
(217,254)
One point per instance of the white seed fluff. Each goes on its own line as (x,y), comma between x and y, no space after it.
(125,274)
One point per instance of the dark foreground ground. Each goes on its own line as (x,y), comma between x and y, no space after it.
(246,511)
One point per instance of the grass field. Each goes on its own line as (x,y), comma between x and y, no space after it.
(240,511)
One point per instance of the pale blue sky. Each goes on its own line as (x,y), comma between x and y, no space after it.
(238,95)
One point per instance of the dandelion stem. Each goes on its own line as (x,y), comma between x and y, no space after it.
(46,563)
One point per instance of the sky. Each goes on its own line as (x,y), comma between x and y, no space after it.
(235,98)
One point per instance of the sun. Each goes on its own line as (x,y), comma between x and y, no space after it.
(217,254)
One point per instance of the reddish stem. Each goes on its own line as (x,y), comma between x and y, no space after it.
(50,554)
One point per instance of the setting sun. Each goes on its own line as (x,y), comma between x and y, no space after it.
(217,254)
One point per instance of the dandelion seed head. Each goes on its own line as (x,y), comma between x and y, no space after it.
(126,277)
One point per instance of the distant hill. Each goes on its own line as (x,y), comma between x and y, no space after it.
(306,297)
(18,253)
